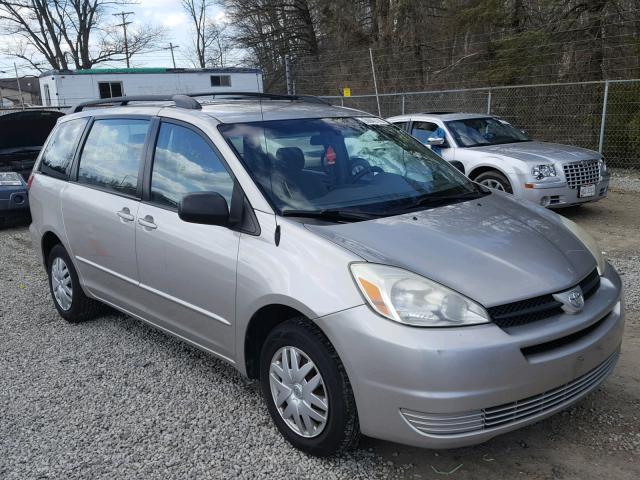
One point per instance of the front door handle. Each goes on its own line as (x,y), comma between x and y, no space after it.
(125,214)
(147,222)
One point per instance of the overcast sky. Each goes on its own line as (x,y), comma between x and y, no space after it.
(168,13)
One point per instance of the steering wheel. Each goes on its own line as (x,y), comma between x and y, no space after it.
(365,170)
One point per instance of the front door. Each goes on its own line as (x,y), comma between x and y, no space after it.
(100,208)
(187,271)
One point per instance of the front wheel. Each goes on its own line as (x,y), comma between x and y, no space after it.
(307,390)
(495,180)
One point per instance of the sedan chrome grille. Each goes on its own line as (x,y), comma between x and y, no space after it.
(443,424)
(584,172)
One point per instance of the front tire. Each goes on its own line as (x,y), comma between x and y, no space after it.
(307,390)
(68,298)
(496,180)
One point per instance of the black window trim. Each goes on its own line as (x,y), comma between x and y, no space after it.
(73,177)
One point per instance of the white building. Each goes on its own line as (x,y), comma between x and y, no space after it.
(67,87)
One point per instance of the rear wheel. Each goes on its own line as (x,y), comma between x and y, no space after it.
(69,299)
(307,390)
(495,180)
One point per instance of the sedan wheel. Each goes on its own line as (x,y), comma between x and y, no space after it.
(491,183)
(298,391)
(495,180)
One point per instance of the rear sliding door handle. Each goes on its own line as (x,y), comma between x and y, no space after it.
(147,222)
(125,214)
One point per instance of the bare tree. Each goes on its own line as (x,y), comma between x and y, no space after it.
(69,32)
(211,42)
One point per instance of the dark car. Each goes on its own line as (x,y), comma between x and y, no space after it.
(22,135)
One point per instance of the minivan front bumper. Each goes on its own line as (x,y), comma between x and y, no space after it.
(452,387)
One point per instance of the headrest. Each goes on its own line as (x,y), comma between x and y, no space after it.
(291,158)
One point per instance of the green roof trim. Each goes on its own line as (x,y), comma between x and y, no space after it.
(95,71)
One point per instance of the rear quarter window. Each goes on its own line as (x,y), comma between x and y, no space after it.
(60,149)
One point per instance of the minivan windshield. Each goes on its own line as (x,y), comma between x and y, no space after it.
(476,132)
(344,168)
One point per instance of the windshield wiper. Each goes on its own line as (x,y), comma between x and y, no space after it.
(434,200)
(332,215)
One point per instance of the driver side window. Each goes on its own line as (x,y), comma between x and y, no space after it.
(423,130)
(185,163)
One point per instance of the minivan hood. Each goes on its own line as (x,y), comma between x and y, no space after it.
(539,152)
(494,250)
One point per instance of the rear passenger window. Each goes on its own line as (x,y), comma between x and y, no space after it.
(60,149)
(185,163)
(112,154)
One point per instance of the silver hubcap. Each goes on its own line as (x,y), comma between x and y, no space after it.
(61,283)
(298,391)
(491,183)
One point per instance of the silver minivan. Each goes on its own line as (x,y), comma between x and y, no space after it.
(370,286)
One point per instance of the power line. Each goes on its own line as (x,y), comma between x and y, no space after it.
(124,24)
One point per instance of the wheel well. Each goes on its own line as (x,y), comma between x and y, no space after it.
(261,324)
(458,165)
(474,173)
(49,240)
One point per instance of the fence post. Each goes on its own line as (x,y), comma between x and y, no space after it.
(603,119)
(375,83)
(402,104)
(489,103)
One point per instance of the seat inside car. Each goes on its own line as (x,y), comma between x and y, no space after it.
(290,162)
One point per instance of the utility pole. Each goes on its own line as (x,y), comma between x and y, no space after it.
(19,87)
(124,24)
(172,47)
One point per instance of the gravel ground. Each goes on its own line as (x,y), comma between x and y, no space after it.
(113,398)
(624,179)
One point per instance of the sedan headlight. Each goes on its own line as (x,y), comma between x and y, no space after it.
(587,240)
(603,167)
(543,171)
(408,298)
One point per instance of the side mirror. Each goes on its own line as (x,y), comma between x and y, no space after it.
(436,141)
(207,208)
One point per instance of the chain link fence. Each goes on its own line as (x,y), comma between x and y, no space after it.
(599,115)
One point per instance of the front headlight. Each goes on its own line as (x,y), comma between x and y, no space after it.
(543,171)
(10,179)
(587,240)
(603,167)
(408,298)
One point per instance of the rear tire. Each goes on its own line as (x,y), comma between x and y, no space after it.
(494,179)
(332,425)
(67,294)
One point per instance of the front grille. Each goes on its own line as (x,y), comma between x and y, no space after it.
(538,308)
(509,413)
(585,172)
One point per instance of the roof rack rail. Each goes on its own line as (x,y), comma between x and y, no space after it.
(181,101)
(261,95)
(187,100)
